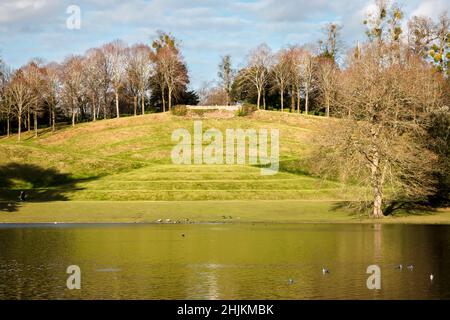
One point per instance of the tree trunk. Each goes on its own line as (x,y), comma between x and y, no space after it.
(53,119)
(377,184)
(143,103)
(94,113)
(117,105)
(28,120)
(327,112)
(35,124)
(264,99)
(163,99)
(7,127)
(170,99)
(135,105)
(73,117)
(259,98)
(19,119)
(292,99)
(50,116)
(282,99)
(104,105)
(306,100)
(298,101)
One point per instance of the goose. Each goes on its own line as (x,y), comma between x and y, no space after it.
(325,270)
(399,267)
(290,281)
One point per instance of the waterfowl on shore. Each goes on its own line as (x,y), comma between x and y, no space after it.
(431,277)
(399,267)
(325,271)
(290,281)
(410,267)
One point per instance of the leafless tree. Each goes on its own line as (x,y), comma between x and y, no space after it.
(52,90)
(34,75)
(22,97)
(117,64)
(327,75)
(5,96)
(282,72)
(72,79)
(378,140)
(139,71)
(257,72)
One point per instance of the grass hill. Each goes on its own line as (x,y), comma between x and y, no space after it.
(113,168)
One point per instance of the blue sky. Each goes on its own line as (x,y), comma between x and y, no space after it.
(208,29)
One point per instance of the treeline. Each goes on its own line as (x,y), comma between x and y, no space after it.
(105,82)
(302,78)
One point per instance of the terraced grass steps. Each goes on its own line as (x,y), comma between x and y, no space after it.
(128,159)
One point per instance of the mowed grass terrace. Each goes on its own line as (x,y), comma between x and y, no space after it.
(120,170)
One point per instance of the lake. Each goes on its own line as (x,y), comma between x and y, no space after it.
(224,261)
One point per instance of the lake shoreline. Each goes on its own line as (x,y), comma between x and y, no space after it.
(202,212)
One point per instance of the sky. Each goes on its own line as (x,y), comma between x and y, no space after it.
(207,29)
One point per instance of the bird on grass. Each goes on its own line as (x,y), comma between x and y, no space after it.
(290,281)
(399,267)
(410,267)
(325,271)
(431,277)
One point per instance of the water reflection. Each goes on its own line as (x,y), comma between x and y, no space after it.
(224,261)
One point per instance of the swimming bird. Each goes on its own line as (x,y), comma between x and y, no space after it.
(431,277)
(410,267)
(325,270)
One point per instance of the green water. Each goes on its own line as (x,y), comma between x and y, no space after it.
(224,261)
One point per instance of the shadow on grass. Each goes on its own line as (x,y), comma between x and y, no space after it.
(391,208)
(289,166)
(39,184)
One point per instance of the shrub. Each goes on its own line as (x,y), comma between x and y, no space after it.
(179,110)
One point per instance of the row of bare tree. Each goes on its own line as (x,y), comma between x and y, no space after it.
(297,72)
(93,85)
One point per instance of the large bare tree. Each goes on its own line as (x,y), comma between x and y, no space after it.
(327,76)
(377,141)
(259,63)
(22,97)
(282,72)
(116,57)
(139,71)
(72,78)
(52,90)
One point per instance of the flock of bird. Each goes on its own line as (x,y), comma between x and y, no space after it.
(410,267)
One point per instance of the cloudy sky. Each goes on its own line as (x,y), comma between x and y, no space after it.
(207,29)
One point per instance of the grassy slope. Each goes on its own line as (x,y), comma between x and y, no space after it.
(129,159)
